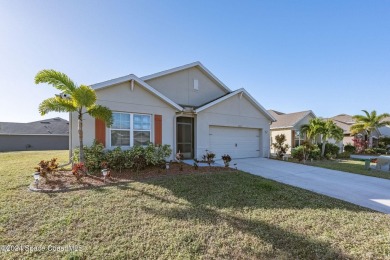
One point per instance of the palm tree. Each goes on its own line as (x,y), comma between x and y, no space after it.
(80,99)
(369,122)
(325,129)
(312,129)
(328,131)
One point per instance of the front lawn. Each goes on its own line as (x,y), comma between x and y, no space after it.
(352,166)
(221,215)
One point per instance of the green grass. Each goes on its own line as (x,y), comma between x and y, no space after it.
(226,215)
(352,166)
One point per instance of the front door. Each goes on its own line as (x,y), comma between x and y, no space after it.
(185,136)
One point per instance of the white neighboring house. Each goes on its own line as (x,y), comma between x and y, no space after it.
(186,107)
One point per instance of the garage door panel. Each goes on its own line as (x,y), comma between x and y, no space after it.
(235,141)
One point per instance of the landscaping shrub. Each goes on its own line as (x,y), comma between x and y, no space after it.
(380,150)
(94,156)
(369,151)
(306,151)
(344,155)
(47,167)
(209,157)
(79,170)
(315,153)
(116,159)
(349,148)
(298,153)
(136,158)
(384,142)
(360,144)
(226,159)
(331,150)
(279,145)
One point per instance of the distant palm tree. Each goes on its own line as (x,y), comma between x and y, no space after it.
(330,131)
(80,99)
(312,128)
(318,127)
(369,122)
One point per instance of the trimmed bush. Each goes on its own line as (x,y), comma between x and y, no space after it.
(349,148)
(380,150)
(136,157)
(94,156)
(298,153)
(331,150)
(344,155)
(369,151)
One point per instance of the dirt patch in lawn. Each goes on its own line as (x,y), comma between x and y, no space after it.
(65,180)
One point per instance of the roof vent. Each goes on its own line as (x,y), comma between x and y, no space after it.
(196,84)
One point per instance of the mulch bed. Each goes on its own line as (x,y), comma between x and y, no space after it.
(65,180)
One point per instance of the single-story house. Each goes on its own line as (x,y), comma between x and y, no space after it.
(289,125)
(48,134)
(345,122)
(384,131)
(186,107)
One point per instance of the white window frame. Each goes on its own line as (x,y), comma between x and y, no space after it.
(139,130)
(131,129)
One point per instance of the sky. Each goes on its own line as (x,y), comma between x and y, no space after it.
(328,56)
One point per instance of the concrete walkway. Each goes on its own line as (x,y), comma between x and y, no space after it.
(370,192)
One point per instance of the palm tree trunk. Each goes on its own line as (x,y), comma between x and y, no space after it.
(369,140)
(323,148)
(80,130)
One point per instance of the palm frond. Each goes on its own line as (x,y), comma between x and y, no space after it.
(84,96)
(101,112)
(56,104)
(57,79)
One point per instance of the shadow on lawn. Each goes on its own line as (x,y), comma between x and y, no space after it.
(295,245)
(241,191)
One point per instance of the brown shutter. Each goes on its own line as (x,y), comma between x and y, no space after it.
(157,129)
(292,138)
(100,131)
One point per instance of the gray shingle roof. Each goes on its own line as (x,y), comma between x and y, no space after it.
(53,126)
(287,120)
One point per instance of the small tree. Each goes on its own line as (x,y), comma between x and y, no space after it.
(280,147)
(78,99)
(368,123)
(360,144)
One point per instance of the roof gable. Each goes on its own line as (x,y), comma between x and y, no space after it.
(291,119)
(237,92)
(196,64)
(53,126)
(131,77)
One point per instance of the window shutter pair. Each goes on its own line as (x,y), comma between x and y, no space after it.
(100,130)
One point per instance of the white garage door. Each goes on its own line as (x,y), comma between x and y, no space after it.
(235,141)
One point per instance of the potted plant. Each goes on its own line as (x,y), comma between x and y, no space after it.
(226,159)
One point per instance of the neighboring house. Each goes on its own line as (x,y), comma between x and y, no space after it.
(186,107)
(345,122)
(49,134)
(385,130)
(289,125)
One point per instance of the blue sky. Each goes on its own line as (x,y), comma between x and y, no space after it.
(328,56)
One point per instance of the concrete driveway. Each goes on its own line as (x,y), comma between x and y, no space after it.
(370,192)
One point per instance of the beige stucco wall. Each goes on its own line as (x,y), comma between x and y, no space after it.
(179,87)
(234,112)
(122,99)
(286,132)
